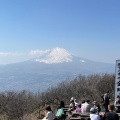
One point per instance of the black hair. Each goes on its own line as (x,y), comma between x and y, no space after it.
(62,105)
(118,96)
(72,101)
(79,105)
(87,100)
(107,92)
(83,101)
(111,107)
(48,108)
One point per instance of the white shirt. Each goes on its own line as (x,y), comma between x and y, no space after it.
(76,104)
(85,107)
(49,115)
(94,117)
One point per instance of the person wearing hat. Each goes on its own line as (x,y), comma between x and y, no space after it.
(71,99)
(93,114)
(96,106)
(76,103)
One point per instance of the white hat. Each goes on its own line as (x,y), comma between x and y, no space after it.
(93,110)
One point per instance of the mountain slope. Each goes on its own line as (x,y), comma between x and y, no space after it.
(47,70)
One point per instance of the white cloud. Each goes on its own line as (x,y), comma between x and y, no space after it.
(38,52)
(10,54)
(31,53)
(13,57)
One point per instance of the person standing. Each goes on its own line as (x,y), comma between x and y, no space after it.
(106,101)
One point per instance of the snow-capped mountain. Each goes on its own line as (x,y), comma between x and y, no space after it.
(48,70)
(56,55)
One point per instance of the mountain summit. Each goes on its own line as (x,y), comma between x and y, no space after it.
(56,55)
(48,69)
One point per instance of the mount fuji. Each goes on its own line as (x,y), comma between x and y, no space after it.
(57,55)
(47,70)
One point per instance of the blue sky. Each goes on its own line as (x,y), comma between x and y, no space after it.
(86,28)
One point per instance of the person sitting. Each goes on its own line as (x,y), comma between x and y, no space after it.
(72,105)
(117,104)
(71,108)
(85,107)
(60,112)
(93,114)
(49,113)
(96,106)
(76,103)
(78,108)
(110,115)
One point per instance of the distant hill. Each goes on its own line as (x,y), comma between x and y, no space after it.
(48,70)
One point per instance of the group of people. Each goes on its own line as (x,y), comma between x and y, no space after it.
(107,112)
(85,107)
(97,112)
(49,114)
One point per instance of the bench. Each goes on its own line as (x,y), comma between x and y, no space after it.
(75,118)
(80,116)
(65,110)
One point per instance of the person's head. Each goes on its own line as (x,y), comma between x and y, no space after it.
(93,110)
(72,99)
(118,98)
(83,101)
(88,101)
(62,104)
(107,93)
(48,108)
(94,102)
(110,107)
(72,105)
(75,100)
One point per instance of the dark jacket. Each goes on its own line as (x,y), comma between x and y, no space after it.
(106,100)
(111,116)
